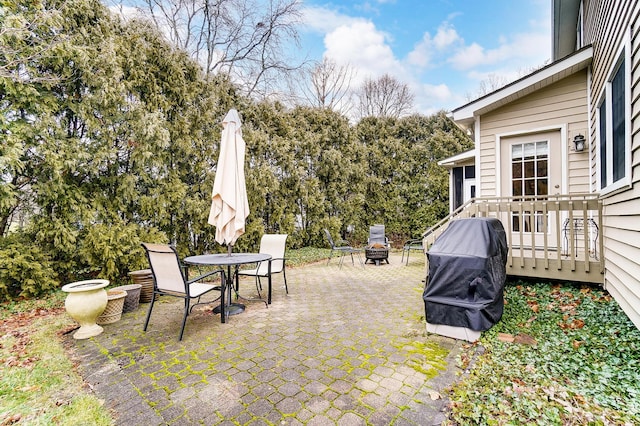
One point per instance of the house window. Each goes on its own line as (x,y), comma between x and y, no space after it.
(613,128)
(579,36)
(470,172)
(529,179)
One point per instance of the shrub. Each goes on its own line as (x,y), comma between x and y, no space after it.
(26,271)
(111,251)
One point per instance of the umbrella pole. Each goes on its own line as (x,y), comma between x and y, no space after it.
(229,249)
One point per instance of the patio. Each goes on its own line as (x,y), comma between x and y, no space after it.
(346,346)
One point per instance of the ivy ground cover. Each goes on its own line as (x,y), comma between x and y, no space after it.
(561,354)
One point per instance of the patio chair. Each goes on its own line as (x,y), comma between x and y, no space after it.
(415,244)
(377,236)
(378,245)
(275,245)
(343,248)
(170,280)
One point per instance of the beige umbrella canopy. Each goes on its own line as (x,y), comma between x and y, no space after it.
(229,205)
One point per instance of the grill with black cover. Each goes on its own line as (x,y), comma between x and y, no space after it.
(467,274)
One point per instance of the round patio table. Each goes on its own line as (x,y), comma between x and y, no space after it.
(224,259)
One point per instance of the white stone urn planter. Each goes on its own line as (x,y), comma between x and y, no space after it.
(85,301)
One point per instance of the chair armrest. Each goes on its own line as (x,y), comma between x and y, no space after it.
(414,242)
(196,279)
(284,260)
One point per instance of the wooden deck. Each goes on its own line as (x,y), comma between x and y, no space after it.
(555,237)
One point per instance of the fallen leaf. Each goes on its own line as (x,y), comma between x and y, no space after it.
(577,324)
(577,343)
(30,388)
(11,420)
(434,395)
(525,339)
(504,337)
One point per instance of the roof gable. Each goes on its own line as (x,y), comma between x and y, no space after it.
(466,114)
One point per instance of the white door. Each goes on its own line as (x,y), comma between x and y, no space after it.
(532,167)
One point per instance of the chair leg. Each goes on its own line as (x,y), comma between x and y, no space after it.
(258,285)
(195,304)
(184,318)
(402,260)
(284,274)
(146,323)
(330,255)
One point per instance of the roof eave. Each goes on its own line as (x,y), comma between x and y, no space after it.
(465,115)
(564,22)
(456,159)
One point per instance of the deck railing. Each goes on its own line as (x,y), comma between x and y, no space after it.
(553,237)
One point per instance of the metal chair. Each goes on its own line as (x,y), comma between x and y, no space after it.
(170,280)
(377,236)
(343,249)
(415,244)
(378,245)
(275,245)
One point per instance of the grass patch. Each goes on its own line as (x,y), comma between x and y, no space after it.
(39,385)
(306,255)
(581,366)
(51,301)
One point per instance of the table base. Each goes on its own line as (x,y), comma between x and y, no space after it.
(232,309)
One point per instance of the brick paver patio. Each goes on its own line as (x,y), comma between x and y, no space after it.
(347,346)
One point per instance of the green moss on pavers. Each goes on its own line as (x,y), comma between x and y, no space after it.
(125,361)
(427,357)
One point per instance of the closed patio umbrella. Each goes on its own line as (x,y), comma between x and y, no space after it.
(229,205)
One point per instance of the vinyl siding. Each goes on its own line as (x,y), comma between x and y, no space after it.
(607,24)
(560,105)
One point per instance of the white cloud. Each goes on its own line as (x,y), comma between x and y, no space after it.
(439,92)
(363,47)
(423,52)
(323,20)
(469,56)
(430,98)
(353,41)
(446,36)
(126,12)
(520,48)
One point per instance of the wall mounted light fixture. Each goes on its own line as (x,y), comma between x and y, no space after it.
(579,143)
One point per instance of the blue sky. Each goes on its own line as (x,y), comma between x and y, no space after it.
(442,49)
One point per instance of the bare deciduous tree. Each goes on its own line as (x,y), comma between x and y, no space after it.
(494,82)
(384,97)
(328,85)
(244,39)
(490,84)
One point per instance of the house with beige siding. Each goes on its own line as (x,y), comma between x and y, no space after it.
(557,155)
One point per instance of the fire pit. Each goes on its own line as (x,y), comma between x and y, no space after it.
(376,253)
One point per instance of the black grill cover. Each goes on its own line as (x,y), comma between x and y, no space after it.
(467,273)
